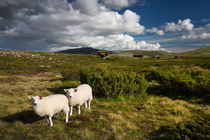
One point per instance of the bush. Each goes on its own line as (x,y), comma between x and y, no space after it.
(198,128)
(70,74)
(110,83)
(191,80)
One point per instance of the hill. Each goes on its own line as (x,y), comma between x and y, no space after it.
(89,50)
(163,113)
(86,50)
(202,52)
(142,52)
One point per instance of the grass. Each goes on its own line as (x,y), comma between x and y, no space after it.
(202,52)
(154,116)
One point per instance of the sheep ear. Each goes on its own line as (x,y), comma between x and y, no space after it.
(40,97)
(75,90)
(66,90)
(30,97)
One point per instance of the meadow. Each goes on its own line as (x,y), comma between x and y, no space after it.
(173,102)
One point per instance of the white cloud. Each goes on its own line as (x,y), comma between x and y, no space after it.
(90,7)
(131,23)
(205,20)
(205,36)
(180,26)
(114,42)
(56,25)
(155,30)
(202,33)
(118,4)
(56,49)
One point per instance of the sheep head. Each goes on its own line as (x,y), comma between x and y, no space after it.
(71,92)
(35,100)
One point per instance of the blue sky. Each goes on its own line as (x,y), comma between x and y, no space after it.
(53,25)
(157,12)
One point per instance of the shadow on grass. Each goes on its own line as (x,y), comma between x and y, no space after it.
(177,92)
(24,116)
(65,85)
(58,90)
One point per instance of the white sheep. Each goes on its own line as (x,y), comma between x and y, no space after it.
(78,96)
(50,105)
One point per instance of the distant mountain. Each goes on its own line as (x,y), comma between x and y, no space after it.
(202,52)
(87,50)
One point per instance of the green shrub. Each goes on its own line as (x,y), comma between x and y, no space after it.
(191,80)
(198,128)
(112,83)
(72,73)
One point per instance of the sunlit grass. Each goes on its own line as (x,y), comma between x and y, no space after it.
(130,117)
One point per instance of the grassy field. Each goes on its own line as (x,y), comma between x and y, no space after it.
(202,52)
(157,115)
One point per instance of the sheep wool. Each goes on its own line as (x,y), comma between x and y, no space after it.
(50,105)
(78,96)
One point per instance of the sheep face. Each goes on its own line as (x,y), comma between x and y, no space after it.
(35,100)
(70,92)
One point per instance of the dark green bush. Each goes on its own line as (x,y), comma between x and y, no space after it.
(198,128)
(72,73)
(191,80)
(112,83)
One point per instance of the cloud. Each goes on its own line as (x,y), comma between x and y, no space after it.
(205,20)
(118,4)
(180,26)
(117,42)
(57,24)
(90,7)
(155,30)
(202,33)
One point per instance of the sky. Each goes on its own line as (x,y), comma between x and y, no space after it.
(54,25)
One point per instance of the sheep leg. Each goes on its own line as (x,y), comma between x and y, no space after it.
(71,110)
(67,117)
(89,104)
(51,123)
(66,110)
(79,109)
(56,115)
(47,121)
(85,105)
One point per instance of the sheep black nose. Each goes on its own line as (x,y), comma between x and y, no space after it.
(35,104)
(69,96)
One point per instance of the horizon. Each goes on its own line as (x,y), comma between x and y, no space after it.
(108,50)
(55,25)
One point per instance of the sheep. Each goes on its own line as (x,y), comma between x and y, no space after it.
(78,96)
(50,105)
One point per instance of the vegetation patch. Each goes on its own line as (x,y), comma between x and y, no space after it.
(189,80)
(112,83)
(176,106)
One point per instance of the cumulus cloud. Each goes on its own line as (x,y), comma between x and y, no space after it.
(57,24)
(180,26)
(118,4)
(202,33)
(90,7)
(155,30)
(123,42)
